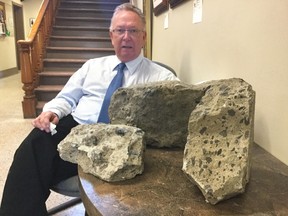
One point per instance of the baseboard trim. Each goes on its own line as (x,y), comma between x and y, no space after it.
(8,72)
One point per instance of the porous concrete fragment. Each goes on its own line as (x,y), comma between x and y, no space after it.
(160,109)
(217,152)
(110,152)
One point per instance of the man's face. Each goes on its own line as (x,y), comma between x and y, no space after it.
(127,44)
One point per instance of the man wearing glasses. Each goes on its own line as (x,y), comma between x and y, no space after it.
(37,165)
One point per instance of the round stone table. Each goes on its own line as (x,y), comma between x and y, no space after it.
(163,189)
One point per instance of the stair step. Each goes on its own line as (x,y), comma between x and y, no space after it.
(56,73)
(80,49)
(52,60)
(80,38)
(77,52)
(101,1)
(54,77)
(47,92)
(80,41)
(90,4)
(49,88)
(52,64)
(111,2)
(88,12)
(82,21)
(85,10)
(80,30)
(94,19)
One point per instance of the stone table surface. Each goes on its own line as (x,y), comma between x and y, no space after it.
(163,189)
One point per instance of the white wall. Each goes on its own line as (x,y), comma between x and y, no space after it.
(246,39)
(7,44)
(31,9)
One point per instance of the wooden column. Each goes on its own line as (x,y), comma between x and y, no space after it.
(28,103)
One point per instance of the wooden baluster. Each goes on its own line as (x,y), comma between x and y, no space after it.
(41,50)
(28,103)
(35,57)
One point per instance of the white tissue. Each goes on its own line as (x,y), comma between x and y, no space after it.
(52,128)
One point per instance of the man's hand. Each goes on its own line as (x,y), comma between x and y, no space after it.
(43,121)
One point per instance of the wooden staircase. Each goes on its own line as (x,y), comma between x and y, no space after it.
(80,32)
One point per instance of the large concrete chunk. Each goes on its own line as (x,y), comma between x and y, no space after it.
(160,109)
(217,152)
(110,152)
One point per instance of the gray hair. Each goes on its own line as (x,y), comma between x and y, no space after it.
(129,7)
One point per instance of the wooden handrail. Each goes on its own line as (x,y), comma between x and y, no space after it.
(32,52)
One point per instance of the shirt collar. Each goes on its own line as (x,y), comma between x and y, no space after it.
(131,65)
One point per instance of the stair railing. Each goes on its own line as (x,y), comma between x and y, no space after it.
(32,52)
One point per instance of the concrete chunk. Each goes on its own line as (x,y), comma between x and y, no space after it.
(160,109)
(217,152)
(110,152)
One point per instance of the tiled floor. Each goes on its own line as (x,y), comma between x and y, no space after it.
(13,129)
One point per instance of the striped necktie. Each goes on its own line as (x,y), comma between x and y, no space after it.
(114,85)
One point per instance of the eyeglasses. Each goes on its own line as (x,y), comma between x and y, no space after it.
(131,32)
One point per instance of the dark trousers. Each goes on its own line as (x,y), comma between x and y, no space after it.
(35,168)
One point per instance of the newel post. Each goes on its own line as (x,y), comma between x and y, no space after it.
(29,101)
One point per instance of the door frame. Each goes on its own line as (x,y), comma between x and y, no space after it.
(18,29)
(147,10)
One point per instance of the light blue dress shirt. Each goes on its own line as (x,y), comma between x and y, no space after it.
(83,94)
